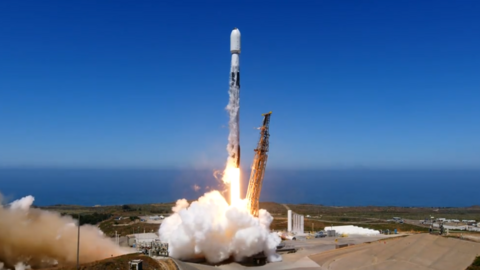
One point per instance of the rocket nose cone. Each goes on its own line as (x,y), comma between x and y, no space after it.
(235,33)
(235,41)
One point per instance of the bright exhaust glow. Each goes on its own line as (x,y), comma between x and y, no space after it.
(232,176)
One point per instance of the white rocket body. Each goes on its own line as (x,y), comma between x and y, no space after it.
(235,41)
(235,94)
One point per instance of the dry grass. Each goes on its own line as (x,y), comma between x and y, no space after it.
(475,265)
(369,216)
(386,212)
(128,227)
(121,262)
(274,209)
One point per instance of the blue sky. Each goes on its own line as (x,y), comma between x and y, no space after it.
(352,84)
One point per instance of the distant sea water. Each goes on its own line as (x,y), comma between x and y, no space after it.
(328,187)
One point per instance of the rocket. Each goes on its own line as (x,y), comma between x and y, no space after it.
(235,91)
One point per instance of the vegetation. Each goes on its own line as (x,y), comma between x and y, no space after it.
(317,225)
(274,209)
(373,217)
(126,226)
(115,210)
(94,218)
(475,265)
(387,212)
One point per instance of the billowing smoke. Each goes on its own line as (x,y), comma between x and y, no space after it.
(212,229)
(18,266)
(38,238)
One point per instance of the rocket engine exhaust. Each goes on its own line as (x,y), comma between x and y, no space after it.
(212,227)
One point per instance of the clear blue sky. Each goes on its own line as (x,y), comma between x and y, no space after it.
(144,84)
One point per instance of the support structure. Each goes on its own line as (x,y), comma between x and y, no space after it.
(258,167)
(295,222)
(78,244)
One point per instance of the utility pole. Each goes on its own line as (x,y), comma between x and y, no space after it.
(78,243)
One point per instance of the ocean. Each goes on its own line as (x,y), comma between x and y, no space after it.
(327,187)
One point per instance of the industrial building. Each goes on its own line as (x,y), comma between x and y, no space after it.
(352,230)
(134,240)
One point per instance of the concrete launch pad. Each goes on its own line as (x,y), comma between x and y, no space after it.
(297,260)
(416,252)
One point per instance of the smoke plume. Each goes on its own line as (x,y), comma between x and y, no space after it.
(233,109)
(212,229)
(40,238)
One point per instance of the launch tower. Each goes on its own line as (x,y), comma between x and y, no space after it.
(258,167)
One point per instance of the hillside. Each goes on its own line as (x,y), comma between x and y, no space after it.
(316,216)
(121,262)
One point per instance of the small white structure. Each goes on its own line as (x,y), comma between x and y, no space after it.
(352,230)
(295,222)
(135,265)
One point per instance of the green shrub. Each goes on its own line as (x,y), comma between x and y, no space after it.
(94,218)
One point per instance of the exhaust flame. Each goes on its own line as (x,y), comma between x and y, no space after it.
(210,228)
(232,176)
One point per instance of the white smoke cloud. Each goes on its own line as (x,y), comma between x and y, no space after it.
(212,229)
(22,204)
(40,238)
(196,187)
(18,266)
(21,266)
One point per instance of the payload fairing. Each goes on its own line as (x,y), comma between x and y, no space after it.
(235,93)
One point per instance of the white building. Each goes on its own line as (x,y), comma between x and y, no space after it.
(352,230)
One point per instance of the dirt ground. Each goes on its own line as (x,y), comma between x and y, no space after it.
(400,252)
(415,252)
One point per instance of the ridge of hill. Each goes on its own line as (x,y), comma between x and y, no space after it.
(121,262)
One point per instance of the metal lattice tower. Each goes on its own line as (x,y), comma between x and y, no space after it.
(258,167)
